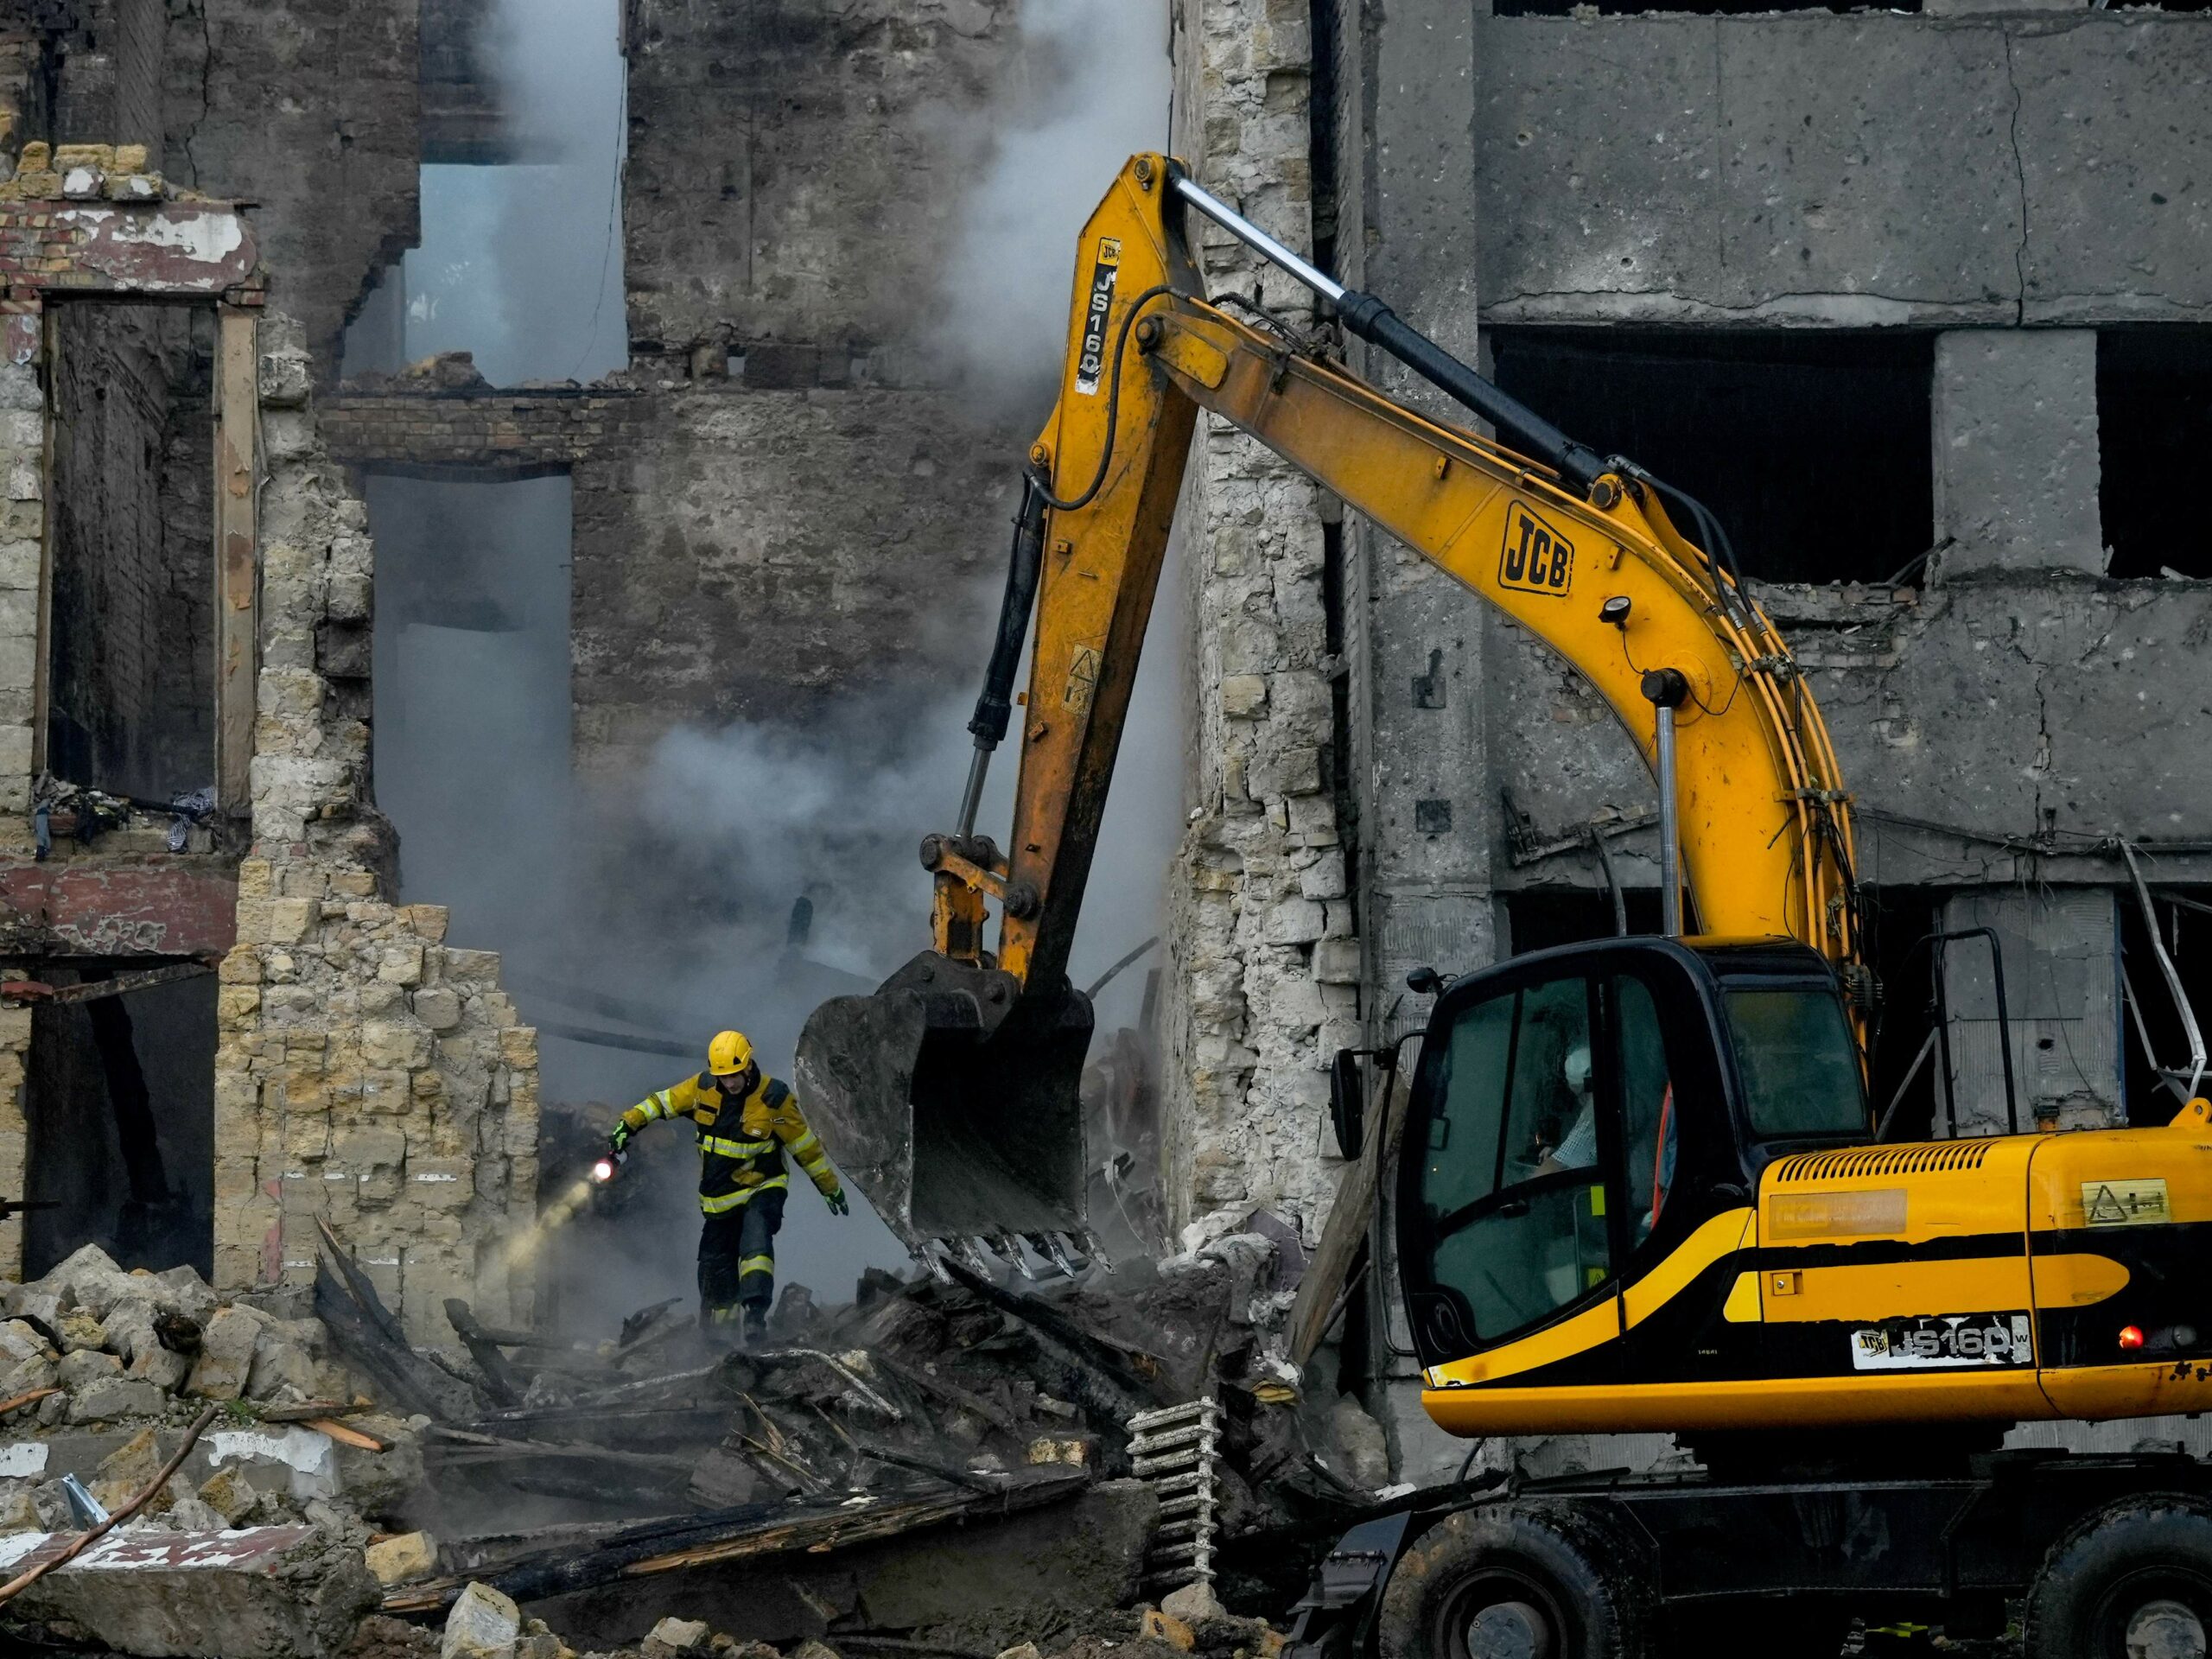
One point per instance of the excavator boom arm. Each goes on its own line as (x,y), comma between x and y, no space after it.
(1765,827)
(950,1094)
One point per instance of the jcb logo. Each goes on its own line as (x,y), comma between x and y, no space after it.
(1536,558)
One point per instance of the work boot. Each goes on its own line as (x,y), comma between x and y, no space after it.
(756,1327)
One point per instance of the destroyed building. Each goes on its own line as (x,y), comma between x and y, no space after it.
(1915,299)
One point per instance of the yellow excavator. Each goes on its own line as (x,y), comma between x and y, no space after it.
(1639,1185)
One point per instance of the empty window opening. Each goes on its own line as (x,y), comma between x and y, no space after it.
(471,686)
(520,260)
(1905,1064)
(1742,421)
(120,1103)
(2156,1045)
(130,669)
(2154,424)
(1540,918)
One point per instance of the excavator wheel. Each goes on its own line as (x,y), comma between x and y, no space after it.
(1526,1579)
(2134,1581)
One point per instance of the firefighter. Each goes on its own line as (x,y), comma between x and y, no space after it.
(745,1122)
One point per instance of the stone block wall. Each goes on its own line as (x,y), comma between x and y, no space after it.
(369,1075)
(1262,929)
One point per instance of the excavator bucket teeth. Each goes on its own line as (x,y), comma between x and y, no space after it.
(955,1120)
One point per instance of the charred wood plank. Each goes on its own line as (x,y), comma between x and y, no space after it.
(501,1380)
(368,1336)
(1131,1369)
(751,1532)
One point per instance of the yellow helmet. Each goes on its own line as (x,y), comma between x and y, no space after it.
(731,1051)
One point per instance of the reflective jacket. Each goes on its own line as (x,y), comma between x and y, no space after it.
(741,1143)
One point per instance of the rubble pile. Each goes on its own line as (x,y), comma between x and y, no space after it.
(109,1366)
(952,1382)
(950,1462)
(485,1624)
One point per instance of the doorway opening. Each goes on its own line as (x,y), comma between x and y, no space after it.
(119,1101)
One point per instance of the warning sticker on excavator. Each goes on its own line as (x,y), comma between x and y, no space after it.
(1083,680)
(2125,1203)
(1537,557)
(1949,1342)
(1105,272)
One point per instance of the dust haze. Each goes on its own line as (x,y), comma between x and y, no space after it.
(658,906)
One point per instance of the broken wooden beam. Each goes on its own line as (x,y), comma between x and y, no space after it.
(501,1381)
(816,1526)
(367,1336)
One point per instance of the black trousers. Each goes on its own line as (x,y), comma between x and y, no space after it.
(737,1258)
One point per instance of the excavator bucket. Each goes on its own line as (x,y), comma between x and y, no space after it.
(952,1100)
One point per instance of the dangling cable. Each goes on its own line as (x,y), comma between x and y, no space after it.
(1113,409)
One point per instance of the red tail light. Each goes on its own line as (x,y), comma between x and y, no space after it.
(2131,1337)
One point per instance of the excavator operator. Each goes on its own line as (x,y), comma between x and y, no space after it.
(744,1121)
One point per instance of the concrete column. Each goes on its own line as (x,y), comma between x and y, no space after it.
(2062,985)
(2014,437)
(1428,805)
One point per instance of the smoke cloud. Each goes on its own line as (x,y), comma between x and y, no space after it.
(1089,87)
(658,906)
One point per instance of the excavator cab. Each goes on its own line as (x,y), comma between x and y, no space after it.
(1579,1121)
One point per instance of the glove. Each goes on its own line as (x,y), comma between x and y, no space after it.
(618,1137)
(839,1204)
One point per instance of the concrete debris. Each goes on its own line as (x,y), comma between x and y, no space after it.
(483,1624)
(674,1635)
(268,1592)
(408,1555)
(964,1445)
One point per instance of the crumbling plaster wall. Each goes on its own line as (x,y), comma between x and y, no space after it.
(796,169)
(368,1074)
(802,502)
(2014,692)
(1261,932)
(310,110)
(762,555)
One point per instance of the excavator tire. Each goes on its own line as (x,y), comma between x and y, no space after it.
(2132,1581)
(1525,1579)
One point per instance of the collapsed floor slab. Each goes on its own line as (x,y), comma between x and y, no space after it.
(263,1593)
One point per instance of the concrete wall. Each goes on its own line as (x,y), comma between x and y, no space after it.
(1778,169)
(2010,182)
(748,555)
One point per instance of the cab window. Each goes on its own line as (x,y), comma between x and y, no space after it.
(1798,1062)
(1648,1126)
(1512,1189)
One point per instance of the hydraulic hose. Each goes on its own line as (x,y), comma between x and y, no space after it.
(1377,324)
(1577,463)
(995,704)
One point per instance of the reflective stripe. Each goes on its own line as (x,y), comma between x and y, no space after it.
(734,1148)
(756,1264)
(805,1144)
(727,1201)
